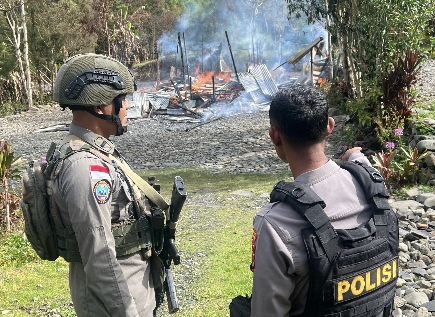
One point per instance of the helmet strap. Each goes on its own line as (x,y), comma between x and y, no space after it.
(117,101)
(109,117)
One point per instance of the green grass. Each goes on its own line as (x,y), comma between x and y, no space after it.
(214,230)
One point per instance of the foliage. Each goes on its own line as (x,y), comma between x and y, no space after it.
(364,109)
(423,128)
(381,29)
(335,93)
(9,169)
(11,107)
(9,164)
(398,84)
(383,162)
(399,164)
(15,251)
(407,165)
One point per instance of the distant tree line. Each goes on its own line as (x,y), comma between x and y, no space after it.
(365,36)
(38,35)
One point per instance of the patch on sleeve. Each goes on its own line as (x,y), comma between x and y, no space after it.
(102,191)
(254,239)
(99,172)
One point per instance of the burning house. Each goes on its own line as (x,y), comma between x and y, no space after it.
(189,94)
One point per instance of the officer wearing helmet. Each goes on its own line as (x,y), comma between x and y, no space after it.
(109,274)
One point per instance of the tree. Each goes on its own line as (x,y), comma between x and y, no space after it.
(15,13)
(368,33)
(57,30)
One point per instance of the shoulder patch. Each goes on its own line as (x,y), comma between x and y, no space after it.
(102,191)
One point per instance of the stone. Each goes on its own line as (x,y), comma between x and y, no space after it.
(407,204)
(430,160)
(397,313)
(403,247)
(424,284)
(430,306)
(422,197)
(412,192)
(416,299)
(422,312)
(418,264)
(425,145)
(429,202)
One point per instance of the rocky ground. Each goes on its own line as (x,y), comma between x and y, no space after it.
(239,144)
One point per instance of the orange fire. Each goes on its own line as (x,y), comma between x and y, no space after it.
(206,78)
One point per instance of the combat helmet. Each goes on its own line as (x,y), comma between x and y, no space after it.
(88,80)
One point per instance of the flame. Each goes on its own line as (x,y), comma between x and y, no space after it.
(197,69)
(206,78)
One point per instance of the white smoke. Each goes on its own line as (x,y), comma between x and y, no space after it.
(267,37)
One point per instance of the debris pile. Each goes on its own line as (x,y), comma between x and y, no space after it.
(191,99)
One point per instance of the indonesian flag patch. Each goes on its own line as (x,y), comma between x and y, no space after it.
(99,172)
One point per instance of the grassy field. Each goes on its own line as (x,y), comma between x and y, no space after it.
(213,236)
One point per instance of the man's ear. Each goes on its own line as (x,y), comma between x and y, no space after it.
(330,126)
(97,109)
(275,136)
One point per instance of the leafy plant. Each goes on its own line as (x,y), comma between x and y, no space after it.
(383,161)
(365,108)
(398,84)
(407,165)
(9,169)
(423,128)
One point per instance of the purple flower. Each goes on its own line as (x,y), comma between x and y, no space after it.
(389,145)
(398,131)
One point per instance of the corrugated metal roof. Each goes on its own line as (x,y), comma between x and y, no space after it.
(159,100)
(264,80)
(228,85)
(248,81)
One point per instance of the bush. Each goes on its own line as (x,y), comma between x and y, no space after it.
(9,108)
(15,250)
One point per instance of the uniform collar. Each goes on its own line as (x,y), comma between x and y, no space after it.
(311,177)
(99,142)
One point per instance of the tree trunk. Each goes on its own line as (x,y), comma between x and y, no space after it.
(328,28)
(8,218)
(16,42)
(28,81)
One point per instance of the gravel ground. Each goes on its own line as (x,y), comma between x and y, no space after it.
(240,144)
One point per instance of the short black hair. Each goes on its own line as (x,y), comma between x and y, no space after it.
(300,113)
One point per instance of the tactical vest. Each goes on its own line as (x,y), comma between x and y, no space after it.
(353,272)
(130,235)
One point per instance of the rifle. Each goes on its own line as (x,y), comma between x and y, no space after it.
(170,253)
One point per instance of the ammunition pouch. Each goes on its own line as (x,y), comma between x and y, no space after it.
(158,225)
(130,237)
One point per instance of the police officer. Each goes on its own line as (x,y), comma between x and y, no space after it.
(299,124)
(94,196)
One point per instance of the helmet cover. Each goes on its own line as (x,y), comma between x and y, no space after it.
(91,80)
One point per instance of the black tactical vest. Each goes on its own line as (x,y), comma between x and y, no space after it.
(353,272)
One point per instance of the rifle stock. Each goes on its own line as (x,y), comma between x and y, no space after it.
(171,294)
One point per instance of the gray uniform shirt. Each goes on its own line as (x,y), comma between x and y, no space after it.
(280,260)
(91,195)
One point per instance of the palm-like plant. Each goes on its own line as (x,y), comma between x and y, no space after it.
(383,161)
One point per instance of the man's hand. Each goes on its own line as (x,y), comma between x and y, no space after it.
(346,154)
